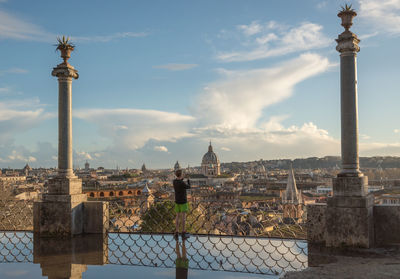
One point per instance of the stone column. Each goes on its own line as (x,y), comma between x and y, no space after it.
(64,209)
(349,211)
(65,73)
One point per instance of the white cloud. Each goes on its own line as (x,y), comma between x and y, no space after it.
(161,148)
(380,149)
(18,156)
(382,15)
(13,27)
(396,131)
(82,155)
(364,137)
(237,101)
(280,41)
(176,67)
(107,38)
(13,71)
(17,116)
(251,29)
(322,4)
(225,148)
(140,126)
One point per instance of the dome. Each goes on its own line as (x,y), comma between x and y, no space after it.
(210,157)
(27,167)
(177,166)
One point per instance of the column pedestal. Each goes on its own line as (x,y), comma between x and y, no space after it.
(349,218)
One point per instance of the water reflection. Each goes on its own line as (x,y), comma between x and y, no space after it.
(181,262)
(69,258)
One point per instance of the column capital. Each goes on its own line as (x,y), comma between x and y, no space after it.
(347,42)
(66,71)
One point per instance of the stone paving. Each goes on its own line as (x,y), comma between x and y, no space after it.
(368,264)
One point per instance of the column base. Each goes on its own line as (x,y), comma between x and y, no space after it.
(59,215)
(349,222)
(64,186)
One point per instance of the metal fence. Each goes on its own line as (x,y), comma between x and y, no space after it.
(217,253)
(16,215)
(234,218)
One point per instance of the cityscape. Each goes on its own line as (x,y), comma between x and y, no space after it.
(187,140)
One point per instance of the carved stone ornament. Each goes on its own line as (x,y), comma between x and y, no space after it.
(64,71)
(347,42)
(347,18)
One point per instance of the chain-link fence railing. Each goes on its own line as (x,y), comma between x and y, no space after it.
(16,215)
(217,253)
(16,247)
(267,219)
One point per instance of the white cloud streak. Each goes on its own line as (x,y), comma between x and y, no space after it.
(108,38)
(139,126)
(160,148)
(13,27)
(13,71)
(237,101)
(276,40)
(176,67)
(382,15)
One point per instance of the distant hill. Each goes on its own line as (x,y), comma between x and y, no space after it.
(327,162)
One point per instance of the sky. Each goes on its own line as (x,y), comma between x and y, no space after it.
(160,79)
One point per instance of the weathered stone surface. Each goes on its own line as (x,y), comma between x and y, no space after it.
(315,224)
(349,227)
(65,186)
(350,186)
(361,202)
(58,219)
(387,224)
(360,263)
(96,216)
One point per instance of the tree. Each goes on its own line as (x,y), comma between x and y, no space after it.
(159,218)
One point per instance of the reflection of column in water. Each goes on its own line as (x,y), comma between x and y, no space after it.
(68,258)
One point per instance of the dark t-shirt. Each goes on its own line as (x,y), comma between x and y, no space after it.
(180,190)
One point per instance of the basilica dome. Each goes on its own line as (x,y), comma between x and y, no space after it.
(210,157)
(210,163)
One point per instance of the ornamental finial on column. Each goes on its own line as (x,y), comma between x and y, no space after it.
(347,14)
(347,41)
(65,70)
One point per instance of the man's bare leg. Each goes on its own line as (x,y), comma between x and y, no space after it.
(183,221)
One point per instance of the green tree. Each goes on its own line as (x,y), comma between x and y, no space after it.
(159,218)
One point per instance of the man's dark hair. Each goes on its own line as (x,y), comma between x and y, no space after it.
(178,173)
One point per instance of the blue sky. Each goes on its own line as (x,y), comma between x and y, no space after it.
(159,79)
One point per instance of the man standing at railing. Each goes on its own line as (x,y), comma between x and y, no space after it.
(181,203)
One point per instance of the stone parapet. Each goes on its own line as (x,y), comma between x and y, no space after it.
(349,226)
(315,224)
(95,217)
(57,219)
(387,224)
